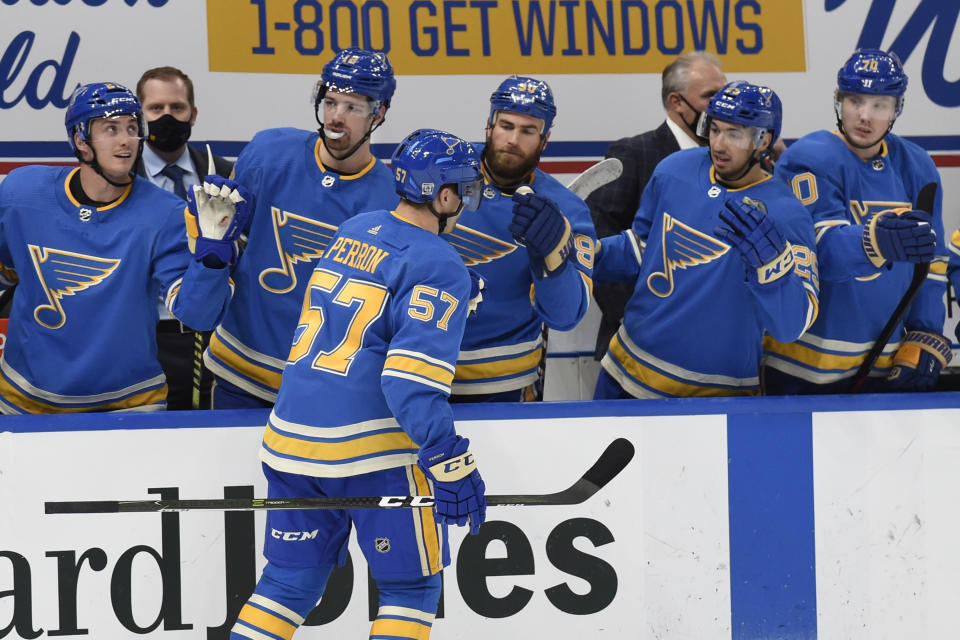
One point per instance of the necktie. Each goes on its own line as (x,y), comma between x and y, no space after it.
(175,174)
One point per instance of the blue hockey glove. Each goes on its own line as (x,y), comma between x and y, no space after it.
(918,361)
(477,285)
(457,485)
(216,213)
(909,237)
(761,245)
(539,224)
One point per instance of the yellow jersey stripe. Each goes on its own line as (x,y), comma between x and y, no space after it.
(31,405)
(243,366)
(499,368)
(665,384)
(267,621)
(392,628)
(284,444)
(419,368)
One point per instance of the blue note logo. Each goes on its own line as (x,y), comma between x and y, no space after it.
(683,247)
(298,239)
(65,273)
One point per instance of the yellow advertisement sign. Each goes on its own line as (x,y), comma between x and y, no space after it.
(457,37)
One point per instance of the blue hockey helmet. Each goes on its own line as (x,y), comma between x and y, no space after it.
(748,104)
(873,71)
(99,100)
(354,70)
(428,159)
(525,95)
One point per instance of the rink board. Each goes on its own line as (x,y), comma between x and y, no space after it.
(833,517)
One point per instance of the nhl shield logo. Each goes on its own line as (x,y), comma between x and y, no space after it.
(382,545)
(714,191)
(328,181)
(878,164)
(85,214)
(489,193)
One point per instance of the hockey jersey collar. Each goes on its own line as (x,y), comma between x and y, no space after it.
(353,176)
(884,149)
(112,205)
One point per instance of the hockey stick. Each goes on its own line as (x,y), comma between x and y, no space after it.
(610,463)
(596,176)
(924,203)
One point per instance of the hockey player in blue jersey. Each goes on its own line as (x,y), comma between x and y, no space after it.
(721,253)
(363,408)
(860,184)
(93,248)
(534,250)
(306,184)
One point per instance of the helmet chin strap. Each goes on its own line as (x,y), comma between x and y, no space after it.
(850,141)
(95,165)
(443,217)
(323,135)
(353,149)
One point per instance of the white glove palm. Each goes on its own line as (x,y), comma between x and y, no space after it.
(216,207)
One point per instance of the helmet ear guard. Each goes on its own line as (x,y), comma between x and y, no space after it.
(870,72)
(746,104)
(522,94)
(428,160)
(354,70)
(873,72)
(99,100)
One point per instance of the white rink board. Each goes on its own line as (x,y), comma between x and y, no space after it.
(659,558)
(888,522)
(660,540)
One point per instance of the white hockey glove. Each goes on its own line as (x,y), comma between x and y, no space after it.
(216,214)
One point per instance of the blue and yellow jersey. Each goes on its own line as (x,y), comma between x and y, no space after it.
(368,376)
(694,326)
(299,205)
(82,332)
(841,193)
(502,345)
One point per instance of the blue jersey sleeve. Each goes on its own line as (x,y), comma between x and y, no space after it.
(195,294)
(562,300)
(789,305)
(428,315)
(620,256)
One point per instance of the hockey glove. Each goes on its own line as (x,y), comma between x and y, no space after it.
(457,485)
(889,237)
(216,213)
(477,285)
(539,224)
(761,245)
(918,361)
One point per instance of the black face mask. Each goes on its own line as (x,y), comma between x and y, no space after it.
(167,133)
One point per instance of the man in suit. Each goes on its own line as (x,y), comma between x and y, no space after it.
(687,85)
(170,111)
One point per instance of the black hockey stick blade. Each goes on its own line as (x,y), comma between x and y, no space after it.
(925,201)
(611,462)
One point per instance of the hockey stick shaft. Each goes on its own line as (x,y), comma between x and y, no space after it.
(610,463)
(925,201)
